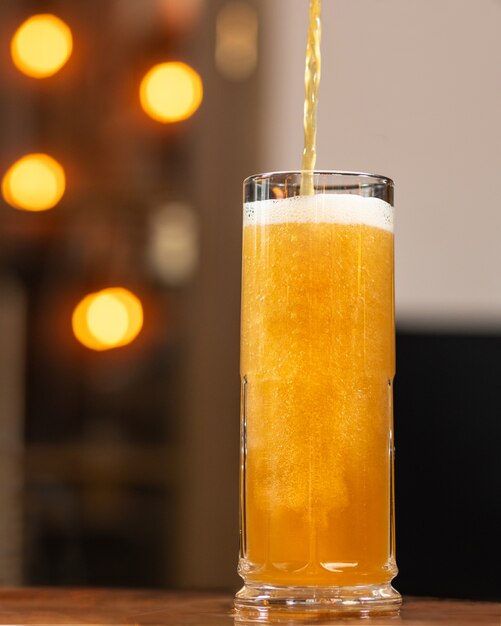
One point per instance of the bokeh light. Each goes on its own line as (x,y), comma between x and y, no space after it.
(36,182)
(107,319)
(171,92)
(236,40)
(173,243)
(41,45)
(181,16)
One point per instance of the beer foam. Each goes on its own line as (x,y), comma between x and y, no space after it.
(321,208)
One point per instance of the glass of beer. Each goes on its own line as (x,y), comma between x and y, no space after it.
(317,368)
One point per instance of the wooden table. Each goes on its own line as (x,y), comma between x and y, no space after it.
(85,606)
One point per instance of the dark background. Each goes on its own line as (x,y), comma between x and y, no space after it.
(447,432)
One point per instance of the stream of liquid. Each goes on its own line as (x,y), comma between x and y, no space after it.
(312,83)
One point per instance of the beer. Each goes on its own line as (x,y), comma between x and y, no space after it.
(317,368)
(311,84)
(317,365)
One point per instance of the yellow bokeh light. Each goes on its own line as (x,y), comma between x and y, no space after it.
(41,45)
(36,182)
(171,92)
(107,319)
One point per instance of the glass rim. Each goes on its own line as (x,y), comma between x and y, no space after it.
(371,178)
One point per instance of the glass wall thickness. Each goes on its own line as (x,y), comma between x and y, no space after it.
(317,368)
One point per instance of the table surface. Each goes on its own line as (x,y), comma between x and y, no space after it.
(100,606)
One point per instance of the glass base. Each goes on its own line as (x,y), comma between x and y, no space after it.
(255,603)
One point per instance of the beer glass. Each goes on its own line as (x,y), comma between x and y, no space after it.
(317,368)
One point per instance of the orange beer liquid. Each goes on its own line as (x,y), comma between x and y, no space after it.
(317,365)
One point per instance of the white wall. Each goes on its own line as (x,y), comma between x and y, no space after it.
(410,89)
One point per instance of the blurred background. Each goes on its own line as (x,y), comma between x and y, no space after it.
(126,129)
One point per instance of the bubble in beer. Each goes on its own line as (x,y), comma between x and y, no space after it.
(328,208)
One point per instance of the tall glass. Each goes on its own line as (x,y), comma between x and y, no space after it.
(317,368)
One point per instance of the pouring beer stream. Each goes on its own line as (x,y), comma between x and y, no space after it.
(312,84)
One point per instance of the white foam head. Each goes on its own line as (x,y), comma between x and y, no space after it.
(321,208)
